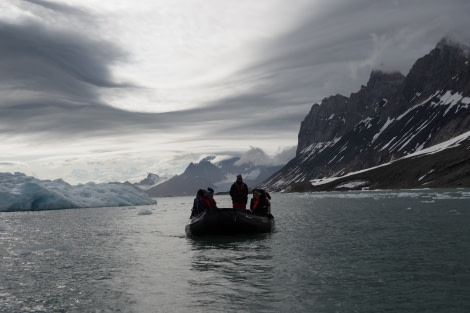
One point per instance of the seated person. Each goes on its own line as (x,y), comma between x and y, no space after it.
(200,203)
(210,198)
(260,204)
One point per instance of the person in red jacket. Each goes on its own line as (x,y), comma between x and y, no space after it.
(239,194)
(210,198)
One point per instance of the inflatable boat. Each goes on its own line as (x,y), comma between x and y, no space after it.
(227,221)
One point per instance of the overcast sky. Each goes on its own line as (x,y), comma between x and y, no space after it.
(111,90)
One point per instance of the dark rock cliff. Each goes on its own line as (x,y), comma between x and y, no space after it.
(389,118)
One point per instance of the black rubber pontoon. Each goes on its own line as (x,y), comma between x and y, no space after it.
(227,221)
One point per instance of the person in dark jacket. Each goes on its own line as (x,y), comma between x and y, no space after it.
(260,204)
(239,194)
(200,203)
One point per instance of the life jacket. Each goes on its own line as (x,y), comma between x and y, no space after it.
(212,203)
(239,192)
(207,203)
(255,203)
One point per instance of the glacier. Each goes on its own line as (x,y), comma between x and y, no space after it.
(19,192)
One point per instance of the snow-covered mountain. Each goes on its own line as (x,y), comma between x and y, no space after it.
(19,192)
(443,165)
(217,175)
(392,117)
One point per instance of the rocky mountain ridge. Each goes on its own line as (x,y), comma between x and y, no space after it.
(392,116)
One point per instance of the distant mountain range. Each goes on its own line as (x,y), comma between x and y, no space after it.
(150,181)
(376,130)
(207,173)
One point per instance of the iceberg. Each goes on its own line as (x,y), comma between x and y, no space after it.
(19,192)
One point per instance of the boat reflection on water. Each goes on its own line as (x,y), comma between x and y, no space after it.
(232,272)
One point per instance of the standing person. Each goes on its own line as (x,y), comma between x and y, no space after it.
(239,194)
(200,203)
(260,204)
(210,198)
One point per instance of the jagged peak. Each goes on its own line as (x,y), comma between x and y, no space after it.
(208,158)
(378,76)
(385,74)
(452,41)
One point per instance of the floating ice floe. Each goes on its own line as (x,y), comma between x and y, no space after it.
(4,226)
(19,192)
(144,212)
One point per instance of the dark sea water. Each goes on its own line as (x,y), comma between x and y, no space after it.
(375,251)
